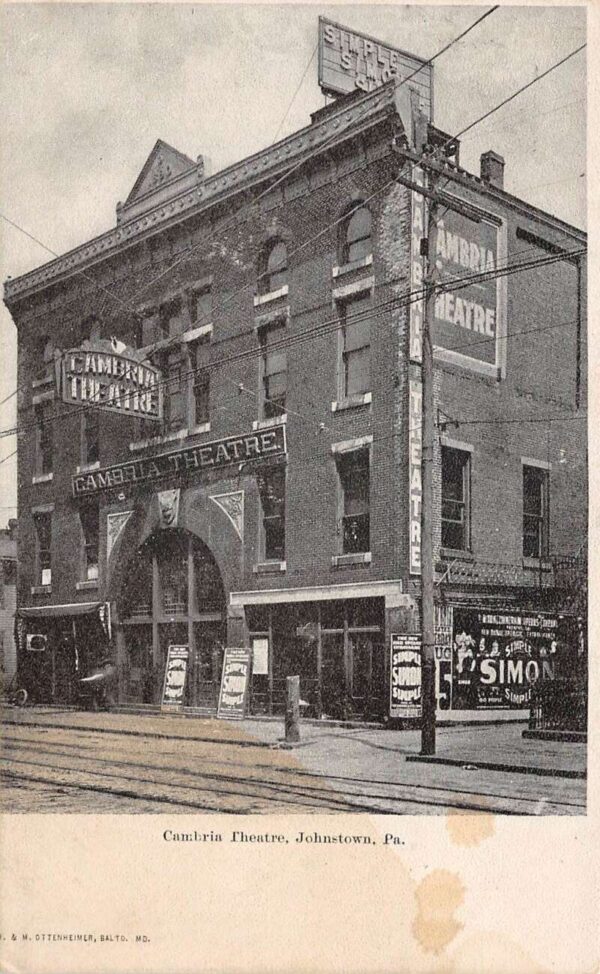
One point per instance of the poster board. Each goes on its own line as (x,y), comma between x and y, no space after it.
(405,675)
(235,682)
(175,677)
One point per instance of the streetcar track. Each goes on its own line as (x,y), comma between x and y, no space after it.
(52,748)
(484,806)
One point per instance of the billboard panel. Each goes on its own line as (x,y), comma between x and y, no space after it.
(349,61)
(470,317)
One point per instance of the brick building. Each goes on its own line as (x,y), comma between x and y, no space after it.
(8,598)
(276,504)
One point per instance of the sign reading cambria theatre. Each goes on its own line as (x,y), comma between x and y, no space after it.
(266,444)
(470,313)
(110,376)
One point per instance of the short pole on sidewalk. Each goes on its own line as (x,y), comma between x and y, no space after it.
(292,710)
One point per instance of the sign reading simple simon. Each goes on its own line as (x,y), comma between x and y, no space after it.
(405,675)
(175,675)
(179,463)
(348,61)
(100,374)
(234,683)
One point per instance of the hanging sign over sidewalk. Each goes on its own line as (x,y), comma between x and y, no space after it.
(109,375)
(175,676)
(235,681)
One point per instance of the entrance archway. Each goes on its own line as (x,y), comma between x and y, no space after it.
(172,594)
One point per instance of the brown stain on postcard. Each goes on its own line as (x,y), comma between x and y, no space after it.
(470,830)
(438,895)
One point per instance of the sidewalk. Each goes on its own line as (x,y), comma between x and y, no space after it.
(499,747)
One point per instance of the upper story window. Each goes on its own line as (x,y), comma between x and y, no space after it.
(355,237)
(200,379)
(536,484)
(44,356)
(44,446)
(274,269)
(174,391)
(353,469)
(273,370)
(43,530)
(356,346)
(90,526)
(201,305)
(456,515)
(171,319)
(271,483)
(90,436)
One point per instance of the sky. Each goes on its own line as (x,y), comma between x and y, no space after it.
(87,89)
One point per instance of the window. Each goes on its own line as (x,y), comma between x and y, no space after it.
(356,346)
(174,392)
(44,356)
(273,370)
(173,574)
(535,512)
(43,528)
(354,479)
(90,437)
(456,475)
(201,306)
(171,319)
(271,485)
(274,270)
(44,438)
(356,236)
(90,525)
(199,352)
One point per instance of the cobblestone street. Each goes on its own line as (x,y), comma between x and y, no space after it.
(67,761)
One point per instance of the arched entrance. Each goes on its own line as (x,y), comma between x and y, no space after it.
(172,593)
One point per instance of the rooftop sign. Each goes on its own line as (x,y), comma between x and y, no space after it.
(350,61)
(110,376)
(237,450)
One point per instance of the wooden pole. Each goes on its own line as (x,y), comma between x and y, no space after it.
(292,710)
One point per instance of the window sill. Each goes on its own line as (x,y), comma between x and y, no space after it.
(357,558)
(41,590)
(42,478)
(197,430)
(89,584)
(454,554)
(537,564)
(39,397)
(262,299)
(352,402)
(88,467)
(45,380)
(269,567)
(357,287)
(354,265)
(194,333)
(159,440)
(263,424)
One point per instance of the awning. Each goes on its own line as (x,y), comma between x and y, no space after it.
(68,609)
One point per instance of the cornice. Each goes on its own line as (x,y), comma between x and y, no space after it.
(194,196)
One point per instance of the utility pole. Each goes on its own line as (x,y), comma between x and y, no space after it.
(428,438)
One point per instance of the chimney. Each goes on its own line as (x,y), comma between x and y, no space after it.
(492,169)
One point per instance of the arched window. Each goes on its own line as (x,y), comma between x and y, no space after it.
(274,270)
(356,235)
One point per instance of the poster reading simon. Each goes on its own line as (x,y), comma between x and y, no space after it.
(498,657)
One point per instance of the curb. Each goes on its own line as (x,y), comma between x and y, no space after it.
(490,766)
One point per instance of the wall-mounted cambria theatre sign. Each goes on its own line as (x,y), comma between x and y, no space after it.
(265,444)
(110,376)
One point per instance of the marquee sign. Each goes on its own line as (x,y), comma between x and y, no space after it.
(349,60)
(110,376)
(499,656)
(265,444)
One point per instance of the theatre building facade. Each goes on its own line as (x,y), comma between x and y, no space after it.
(219,414)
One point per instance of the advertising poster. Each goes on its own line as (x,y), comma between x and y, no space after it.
(498,657)
(175,676)
(405,676)
(234,683)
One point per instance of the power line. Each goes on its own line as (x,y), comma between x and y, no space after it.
(298,86)
(333,324)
